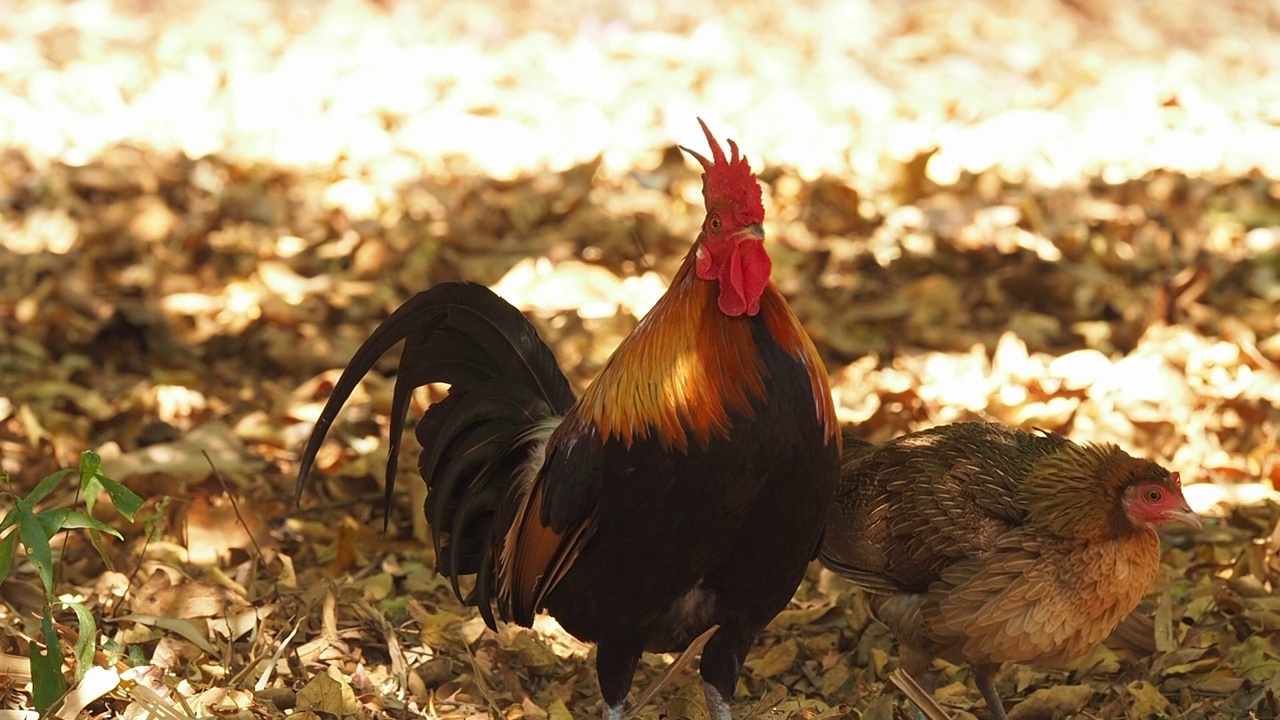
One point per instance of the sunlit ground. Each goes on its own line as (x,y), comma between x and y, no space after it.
(1059,214)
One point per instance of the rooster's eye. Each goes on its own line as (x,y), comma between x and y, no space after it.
(1154,495)
(715,223)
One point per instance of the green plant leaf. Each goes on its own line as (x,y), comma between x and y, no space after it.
(93,480)
(90,486)
(90,482)
(68,519)
(47,683)
(45,487)
(126,501)
(10,519)
(136,656)
(155,523)
(86,644)
(51,520)
(90,463)
(8,546)
(37,543)
(95,539)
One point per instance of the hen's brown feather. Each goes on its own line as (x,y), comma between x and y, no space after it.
(984,544)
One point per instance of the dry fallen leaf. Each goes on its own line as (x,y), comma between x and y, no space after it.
(216,524)
(777,659)
(1147,701)
(1052,702)
(328,693)
(687,703)
(188,599)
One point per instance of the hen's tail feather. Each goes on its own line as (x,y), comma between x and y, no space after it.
(504,385)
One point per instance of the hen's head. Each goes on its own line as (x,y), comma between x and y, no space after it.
(1095,491)
(1149,502)
(731,248)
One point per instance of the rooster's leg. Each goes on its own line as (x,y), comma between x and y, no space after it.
(686,656)
(985,677)
(717,705)
(616,668)
(721,662)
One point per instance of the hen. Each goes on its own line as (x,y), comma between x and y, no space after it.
(685,489)
(982,544)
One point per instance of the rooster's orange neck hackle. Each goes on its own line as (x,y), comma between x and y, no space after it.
(692,364)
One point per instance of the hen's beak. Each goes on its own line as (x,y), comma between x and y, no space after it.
(1186,515)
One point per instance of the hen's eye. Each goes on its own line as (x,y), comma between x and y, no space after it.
(715,223)
(1154,495)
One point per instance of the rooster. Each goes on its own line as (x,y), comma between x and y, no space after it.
(983,544)
(685,489)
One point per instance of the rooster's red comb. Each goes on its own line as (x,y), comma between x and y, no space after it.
(729,180)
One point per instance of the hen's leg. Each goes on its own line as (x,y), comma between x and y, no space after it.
(615,669)
(722,660)
(985,677)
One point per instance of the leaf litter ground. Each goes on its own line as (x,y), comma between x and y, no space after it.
(975,217)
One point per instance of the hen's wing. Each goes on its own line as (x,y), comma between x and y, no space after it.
(908,510)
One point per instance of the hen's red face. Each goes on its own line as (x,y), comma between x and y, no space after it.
(1154,503)
(731,250)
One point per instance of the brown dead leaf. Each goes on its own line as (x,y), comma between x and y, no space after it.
(439,628)
(97,681)
(531,710)
(1219,684)
(187,599)
(224,703)
(531,652)
(377,587)
(687,703)
(776,660)
(184,460)
(802,617)
(1255,659)
(557,710)
(329,693)
(215,524)
(346,555)
(1059,701)
(835,681)
(881,707)
(1147,701)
